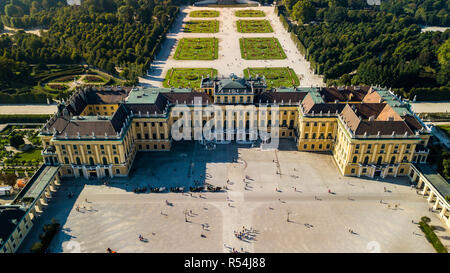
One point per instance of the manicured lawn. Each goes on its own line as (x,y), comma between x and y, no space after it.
(197,49)
(275,76)
(249,13)
(261,49)
(93,79)
(56,87)
(29,155)
(187,77)
(204,13)
(66,79)
(445,129)
(202,26)
(254,26)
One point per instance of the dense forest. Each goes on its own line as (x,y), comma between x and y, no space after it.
(111,35)
(350,42)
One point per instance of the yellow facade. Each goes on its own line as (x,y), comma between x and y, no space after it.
(100,109)
(320,132)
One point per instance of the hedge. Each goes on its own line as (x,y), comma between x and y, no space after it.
(430,94)
(431,236)
(24,118)
(50,231)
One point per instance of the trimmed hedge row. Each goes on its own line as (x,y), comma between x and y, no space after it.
(50,231)
(431,236)
(24,118)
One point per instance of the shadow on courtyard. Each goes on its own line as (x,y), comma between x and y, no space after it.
(184,166)
(59,208)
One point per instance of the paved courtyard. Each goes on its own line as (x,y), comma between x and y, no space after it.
(113,216)
(229,58)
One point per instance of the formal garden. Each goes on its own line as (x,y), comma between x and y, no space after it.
(197,49)
(202,26)
(275,76)
(187,77)
(249,13)
(204,13)
(20,151)
(261,49)
(254,26)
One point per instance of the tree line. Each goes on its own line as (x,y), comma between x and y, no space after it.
(117,36)
(350,42)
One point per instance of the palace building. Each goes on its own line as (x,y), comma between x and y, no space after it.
(368,130)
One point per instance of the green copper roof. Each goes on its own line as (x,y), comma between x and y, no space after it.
(435,179)
(297,89)
(315,95)
(399,107)
(149,95)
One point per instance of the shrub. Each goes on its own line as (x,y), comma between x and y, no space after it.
(46,237)
(37,247)
(431,236)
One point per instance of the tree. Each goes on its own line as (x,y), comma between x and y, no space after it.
(304,12)
(9,179)
(12,11)
(444,55)
(16,140)
(446,168)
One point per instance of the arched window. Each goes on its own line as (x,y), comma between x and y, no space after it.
(380,159)
(91,161)
(366,160)
(78,161)
(105,161)
(116,160)
(66,160)
(393,160)
(355,158)
(405,159)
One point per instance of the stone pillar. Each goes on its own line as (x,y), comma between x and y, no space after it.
(443,211)
(396,170)
(436,204)
(110,171)
(48,194)
(85,173)
(420,183)
(425,189)
(430,198)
